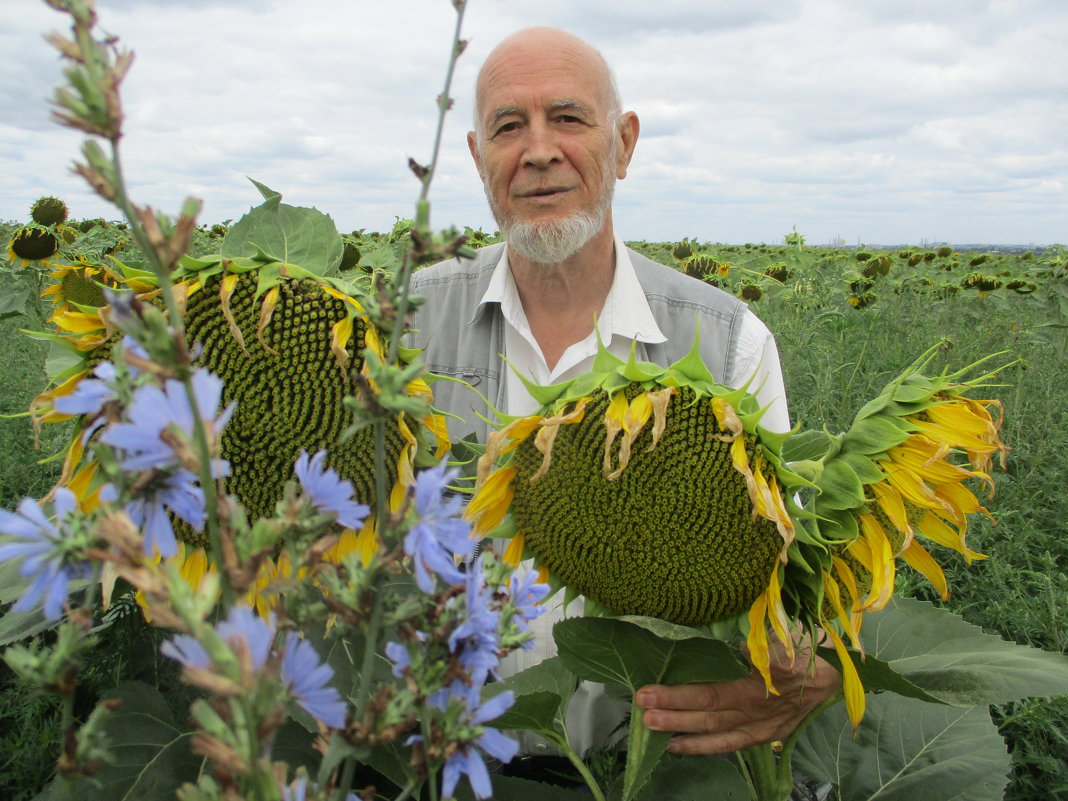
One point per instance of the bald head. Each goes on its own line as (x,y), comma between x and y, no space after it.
(542,48)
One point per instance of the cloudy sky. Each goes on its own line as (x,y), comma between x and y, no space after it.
(875,121)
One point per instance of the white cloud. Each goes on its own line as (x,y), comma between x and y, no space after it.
(888,120)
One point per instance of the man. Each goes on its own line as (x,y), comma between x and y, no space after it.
(549,143)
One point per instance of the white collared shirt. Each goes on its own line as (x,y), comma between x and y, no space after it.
(624,320)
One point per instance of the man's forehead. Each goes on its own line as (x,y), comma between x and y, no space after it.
(566,104)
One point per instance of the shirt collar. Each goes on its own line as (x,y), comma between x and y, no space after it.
(626,311)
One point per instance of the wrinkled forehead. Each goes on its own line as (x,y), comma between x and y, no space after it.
(530,79)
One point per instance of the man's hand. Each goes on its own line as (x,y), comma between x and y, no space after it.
(721,717)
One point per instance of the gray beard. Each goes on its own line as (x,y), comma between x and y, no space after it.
(555,241)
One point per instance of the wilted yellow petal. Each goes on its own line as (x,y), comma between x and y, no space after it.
(889,500)
(513,554)
(270,301)
(226,289)
(490,502)
(918,559)
(759,653)
(340,334)
(854,690)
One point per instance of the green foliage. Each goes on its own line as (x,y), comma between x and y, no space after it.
(289,234)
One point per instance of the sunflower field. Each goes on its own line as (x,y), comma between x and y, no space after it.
(846,320)
(238,565)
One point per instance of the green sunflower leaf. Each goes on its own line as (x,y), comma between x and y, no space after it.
(275,231)
(905,749)
(867,471)
(636,651)
(958,662)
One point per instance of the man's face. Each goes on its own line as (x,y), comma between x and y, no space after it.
(549,147)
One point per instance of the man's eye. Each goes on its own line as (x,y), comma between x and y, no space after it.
(569,119)
(507,127)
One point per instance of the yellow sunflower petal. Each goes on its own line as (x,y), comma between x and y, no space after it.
(777,614)
(936,530)
(854,690)
(367,541)
(490,502)
(513,554)
(890,501)
(340,334)
(270,302)
(882,563)
(226,290)
(759,651)
(918,559)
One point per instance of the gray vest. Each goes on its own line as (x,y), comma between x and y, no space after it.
(463,339)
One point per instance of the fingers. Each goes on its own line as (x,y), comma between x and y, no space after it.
(738,695)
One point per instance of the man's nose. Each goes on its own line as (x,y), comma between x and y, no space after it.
(542,148)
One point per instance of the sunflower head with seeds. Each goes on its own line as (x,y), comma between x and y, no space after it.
(649,490)
(654,491)
(289,347)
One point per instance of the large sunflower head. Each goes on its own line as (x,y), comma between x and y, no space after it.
(288,346)
(650,491)
(654,491)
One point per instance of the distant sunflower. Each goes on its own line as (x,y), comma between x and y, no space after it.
(32,243)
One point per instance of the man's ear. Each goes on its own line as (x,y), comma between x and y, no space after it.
(472,145)
(628,138)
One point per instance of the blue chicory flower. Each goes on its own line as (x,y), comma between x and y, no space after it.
(257,634)
(243,626)
(468,758)
(178,492)
(328,492)
(187,650)
(526,594)
(440,535)
(307,680)
(154,409)
(91,394)
(298,790)
(42,552)
(476,639)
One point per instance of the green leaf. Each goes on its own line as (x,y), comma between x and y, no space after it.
(152,756)
(876,674)
(695,777)
(268,193)
(302,236)
(906,750)
(863,466)
(549,675)
(15,626)
(635,651)
(531,712)
(956,661)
